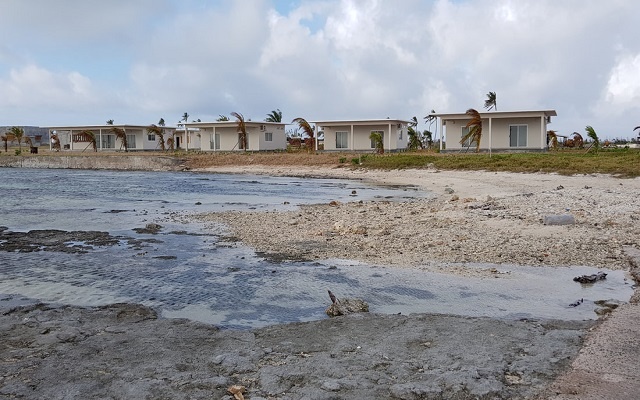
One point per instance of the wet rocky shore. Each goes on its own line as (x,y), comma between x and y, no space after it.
(125,351)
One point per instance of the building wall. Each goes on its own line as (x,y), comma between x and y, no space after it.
(361,140)
(500,128)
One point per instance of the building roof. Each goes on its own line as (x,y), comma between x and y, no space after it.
(232,123)
(360,121)
(93,127)
(498,114)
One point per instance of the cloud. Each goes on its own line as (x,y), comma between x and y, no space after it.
(35,86)
(623,87)
(319,59)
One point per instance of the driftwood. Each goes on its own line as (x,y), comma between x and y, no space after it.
(345,306)
(591,278)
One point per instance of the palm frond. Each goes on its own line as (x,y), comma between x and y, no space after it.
(156,130)
(578,140)
(89,136)
(636,128)
(242,130)
(274,116)
(122,135)
(475,128)
(553,138)
(591,133)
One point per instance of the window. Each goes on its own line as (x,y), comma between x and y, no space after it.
(131,141)
(108,142)
(151,137)
(268,137)
(373,142)
(518,136)
(469,142)
(342,140)
(214,141)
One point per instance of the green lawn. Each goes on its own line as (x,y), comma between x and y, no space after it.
(618,162)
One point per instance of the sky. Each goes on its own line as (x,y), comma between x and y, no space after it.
(83,62)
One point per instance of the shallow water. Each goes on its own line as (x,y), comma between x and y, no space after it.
(189,271)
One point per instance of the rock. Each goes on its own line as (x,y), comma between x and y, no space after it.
(449,190)
(149,228)
(563,219)
(591,278)
(347,306)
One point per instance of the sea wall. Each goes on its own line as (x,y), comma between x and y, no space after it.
(116,162)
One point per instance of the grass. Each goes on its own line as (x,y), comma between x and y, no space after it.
(617,162)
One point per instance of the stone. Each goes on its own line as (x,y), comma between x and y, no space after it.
(562,219)
(347,306)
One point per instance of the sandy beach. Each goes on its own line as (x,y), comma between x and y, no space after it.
(480,217)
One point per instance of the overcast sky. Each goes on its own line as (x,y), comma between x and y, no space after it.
(79,62)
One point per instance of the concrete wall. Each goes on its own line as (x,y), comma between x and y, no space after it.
(128,162)
(500,133)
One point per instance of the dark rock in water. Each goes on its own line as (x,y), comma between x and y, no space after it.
(149,228)
(165,257)
(347,306)
(577,303)
(590,278)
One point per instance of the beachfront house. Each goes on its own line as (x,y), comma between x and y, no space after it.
(79,138)
(355,135)
(225,136)
(501,130)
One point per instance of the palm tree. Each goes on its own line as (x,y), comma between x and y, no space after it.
(490,102)
(635,129)
(156,130)
(591,133)
(91,139)
(414,140)
(306,128)
(18,133)
(55,142)
(5,139)
(222,118)
(122,135)
(185,117)
(475,129)
(376,137)
(242,130)
(552,139)
(274,116)
(430,119)
(161,122)
(577,140)
(109,122)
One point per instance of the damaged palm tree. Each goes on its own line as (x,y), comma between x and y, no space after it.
(242,130)
(475,130)
(154,129)
(552,139)
(122,135)
(308,130)
(89,136)
(345,306)
(55,142)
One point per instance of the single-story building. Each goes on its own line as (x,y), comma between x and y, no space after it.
(501,130)
(78,138)
(355,135)
(224,136)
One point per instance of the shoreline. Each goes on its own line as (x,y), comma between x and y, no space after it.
(125,351)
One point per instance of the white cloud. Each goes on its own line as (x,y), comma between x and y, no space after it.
(321,59)
(623,86)
(35,86)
